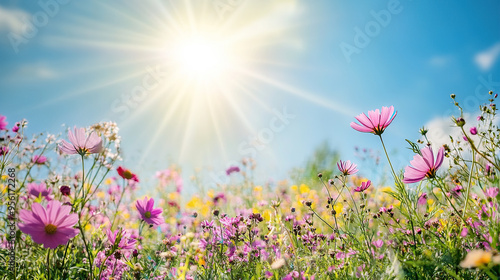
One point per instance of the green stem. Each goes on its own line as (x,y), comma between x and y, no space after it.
(48,264)
(469,184)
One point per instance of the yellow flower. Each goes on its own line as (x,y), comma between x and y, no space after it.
(194,203)
(210,193)
(294,188)
(126,215)
(304,189)
(101,194)
(257,189)
(476,258)
(267,215)
(173,195)
(108,181)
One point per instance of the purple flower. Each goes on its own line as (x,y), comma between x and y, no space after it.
(80,143)
(148,214)
(473,130)
(347,168)
(39,190)
(423,166)
(232,169)
(52,226)
(364,186)
(65,190)
(3,123)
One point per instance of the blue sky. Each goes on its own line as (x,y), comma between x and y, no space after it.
(320,62)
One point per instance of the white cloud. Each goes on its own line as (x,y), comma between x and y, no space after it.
(487,58)
(440,60)
(31,72)
(13,20)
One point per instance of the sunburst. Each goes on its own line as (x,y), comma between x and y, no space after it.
(208,53)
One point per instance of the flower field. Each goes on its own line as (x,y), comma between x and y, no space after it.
(71,210)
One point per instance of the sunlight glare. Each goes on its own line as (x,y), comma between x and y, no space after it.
(200,58)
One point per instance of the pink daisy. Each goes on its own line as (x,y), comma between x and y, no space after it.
(39,190)
(126,241)
(347,168)
(39,159)
(81,143)
(423,166)
(3,123)
(148,214)
(376,122)
(52,226)
(364,186)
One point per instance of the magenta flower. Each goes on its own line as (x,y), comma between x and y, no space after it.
(148,214)
(491,192)
(126,241)
(473,130)
(376,122)
(15,128)
(364,186)
(422,199)
(39,159)
(4,150)
(3,123)
(127,174)
(232,169)
(65,190)
(39,190)
(423,166)
(52,226)
(81,143)
(347,168)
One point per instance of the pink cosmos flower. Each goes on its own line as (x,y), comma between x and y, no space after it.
(473,130)
(423,166)
(378,243)
(376,122)
(364,186)
(15,128)
(148,214)
(127,174)
(232,169)
(491,192)
(422,199)
(3,123)
(51,226)
(81,143)
(4,150)
(347,168)
(39,159)
(38,190)
(126,242)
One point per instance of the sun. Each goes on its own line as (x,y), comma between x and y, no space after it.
(201,58)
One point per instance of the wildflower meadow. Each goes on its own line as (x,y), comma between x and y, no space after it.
(71,210)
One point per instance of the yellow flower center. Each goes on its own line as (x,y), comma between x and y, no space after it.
(147,214)
(50,229)
(83,151)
